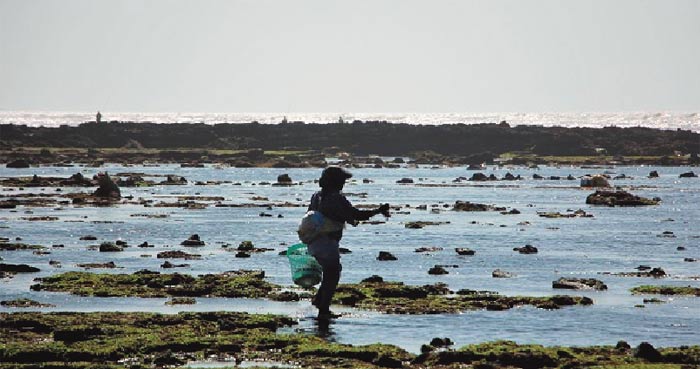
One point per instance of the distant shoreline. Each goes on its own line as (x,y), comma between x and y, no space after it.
(307,144)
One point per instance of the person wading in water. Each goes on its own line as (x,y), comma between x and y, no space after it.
(333,205)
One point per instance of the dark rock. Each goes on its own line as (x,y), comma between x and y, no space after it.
(537,176)
(405,181)
(19,163)
(647,352)
(618,198)
(680,248)
(386,256)
(344,251)
(498,273)
(145,244)
(441,342)
(464,251)
(510,177)
(690,174)
(107,188)
(109,247)
(242,254)
(24,303)
(479,177)
(193,241)
(121,243)
(690,260)
(17,268)
(88,238)
(437,270)
(168,265)
(421,224)
(468,206)
(579,284)
(246,246)
(177,254)
(653,174)
(527,249)
(511,212)
(285,296)
(622,345)
(284,179)
(428,249)
(108,265)
(373,279)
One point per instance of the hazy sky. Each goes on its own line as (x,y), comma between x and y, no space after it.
(350,56)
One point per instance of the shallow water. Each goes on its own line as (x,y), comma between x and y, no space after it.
(615,240)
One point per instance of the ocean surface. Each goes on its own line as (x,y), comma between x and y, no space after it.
(661,120)
(614,240)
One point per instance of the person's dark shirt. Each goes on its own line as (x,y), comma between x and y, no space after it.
(333,205)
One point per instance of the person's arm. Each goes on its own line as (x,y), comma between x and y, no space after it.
(340,209)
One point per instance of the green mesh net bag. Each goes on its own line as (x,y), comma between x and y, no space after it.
(306,271)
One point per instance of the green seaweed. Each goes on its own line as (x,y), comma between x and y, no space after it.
(397,298)
(150,340)
(666,290)
(240,284)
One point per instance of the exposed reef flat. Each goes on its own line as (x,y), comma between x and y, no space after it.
(148,340)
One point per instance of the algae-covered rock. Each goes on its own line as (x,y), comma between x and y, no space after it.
(24,303)
(666,290)
(17,268)
(619,198)
(110,247)
(230,284)
(579,284)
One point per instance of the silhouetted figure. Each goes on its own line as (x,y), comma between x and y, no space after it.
(98,117)
(333,205)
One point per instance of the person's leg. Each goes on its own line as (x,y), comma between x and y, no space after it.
(331,276)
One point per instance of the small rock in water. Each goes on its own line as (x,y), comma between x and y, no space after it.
(386,256)
(527,249)
(193,241)
(498,273)
(242,254)
(579,284)
(284,179)
(690,174)
(437,270)
(109,247)
(690,260)
(88,238)
(168,265)
(680,248)
(428,249)
(464,251)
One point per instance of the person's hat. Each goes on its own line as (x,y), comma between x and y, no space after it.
(334,177)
